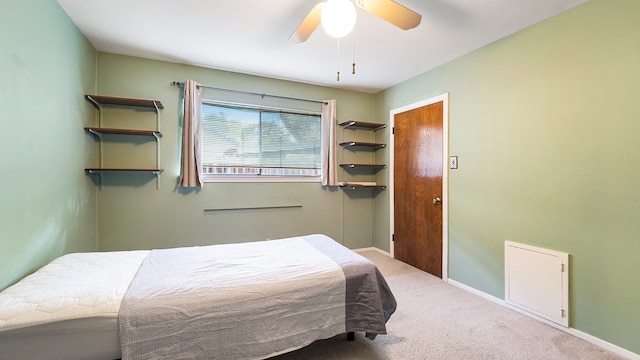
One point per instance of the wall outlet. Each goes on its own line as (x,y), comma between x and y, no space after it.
(453,162)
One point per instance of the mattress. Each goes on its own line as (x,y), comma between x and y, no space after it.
(96,305)
(69,308)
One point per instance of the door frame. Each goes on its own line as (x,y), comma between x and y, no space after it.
(444,98)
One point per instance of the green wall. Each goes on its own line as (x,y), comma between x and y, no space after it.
(48,205)
(134,214)
(546,124)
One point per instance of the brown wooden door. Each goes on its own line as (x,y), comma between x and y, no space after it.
(418,187)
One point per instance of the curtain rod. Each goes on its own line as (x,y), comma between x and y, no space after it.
(177,83)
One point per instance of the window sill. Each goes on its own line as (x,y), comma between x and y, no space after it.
(261,179)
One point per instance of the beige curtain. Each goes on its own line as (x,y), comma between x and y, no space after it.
(191,160)
(329,152)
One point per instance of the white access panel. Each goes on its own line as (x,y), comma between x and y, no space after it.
(537,281)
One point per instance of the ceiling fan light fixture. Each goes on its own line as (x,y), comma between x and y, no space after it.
(338,17)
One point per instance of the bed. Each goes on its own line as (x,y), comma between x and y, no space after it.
(238,301)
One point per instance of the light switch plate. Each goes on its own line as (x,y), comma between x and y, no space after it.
(453,162)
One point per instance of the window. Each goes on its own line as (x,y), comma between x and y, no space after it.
(251,142)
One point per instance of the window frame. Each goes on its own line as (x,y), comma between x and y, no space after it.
(219,178)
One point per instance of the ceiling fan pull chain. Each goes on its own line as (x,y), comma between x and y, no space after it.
(353,53)
(338,77)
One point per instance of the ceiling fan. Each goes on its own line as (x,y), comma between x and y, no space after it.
(388,10)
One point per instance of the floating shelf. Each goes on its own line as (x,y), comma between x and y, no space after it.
(99,100)
(363,144)
(363,124)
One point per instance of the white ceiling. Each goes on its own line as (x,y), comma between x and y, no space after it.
(251,36)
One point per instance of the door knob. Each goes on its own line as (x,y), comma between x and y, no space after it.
(436,201)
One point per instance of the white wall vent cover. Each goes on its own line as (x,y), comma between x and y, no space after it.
(537,281)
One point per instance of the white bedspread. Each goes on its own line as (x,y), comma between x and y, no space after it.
(260,298)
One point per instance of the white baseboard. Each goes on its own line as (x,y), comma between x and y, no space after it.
(372,249)
(575,332)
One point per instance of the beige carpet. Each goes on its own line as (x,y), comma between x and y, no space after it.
(435,320)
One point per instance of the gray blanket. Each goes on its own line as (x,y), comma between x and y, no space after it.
(251,300)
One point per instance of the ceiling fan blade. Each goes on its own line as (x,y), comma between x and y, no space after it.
(392,12)
(308,24)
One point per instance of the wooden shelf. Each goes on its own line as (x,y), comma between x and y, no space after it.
(363,124)
(363,144)
(95,170)
(99,100)
(353,166)
(360,167)
(348,186)
(98,130)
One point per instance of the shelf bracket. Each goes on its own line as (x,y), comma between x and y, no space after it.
(156,135)
(100,148)
(99,173)
(157,174)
